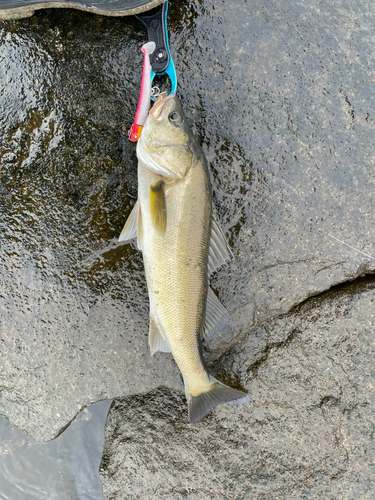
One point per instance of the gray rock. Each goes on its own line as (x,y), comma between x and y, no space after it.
(285,109)
(73,303)
(282,98)
(307,434)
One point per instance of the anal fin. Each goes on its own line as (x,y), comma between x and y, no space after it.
(156,340)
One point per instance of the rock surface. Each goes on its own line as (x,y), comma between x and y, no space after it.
(73,304)
(307,434)
(282,98)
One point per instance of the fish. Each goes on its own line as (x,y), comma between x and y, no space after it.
(182,244)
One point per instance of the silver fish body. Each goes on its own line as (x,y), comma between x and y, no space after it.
(180,242)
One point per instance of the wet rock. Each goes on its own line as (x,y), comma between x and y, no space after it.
(284,104)
(282,99)
(73,306)
(308,432)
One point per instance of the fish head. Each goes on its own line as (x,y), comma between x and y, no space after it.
(167,145)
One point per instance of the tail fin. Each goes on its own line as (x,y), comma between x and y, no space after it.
(200,405)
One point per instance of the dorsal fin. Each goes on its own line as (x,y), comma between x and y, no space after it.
(217,316)
(219,252)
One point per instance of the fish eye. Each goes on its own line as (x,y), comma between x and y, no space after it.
(175,118)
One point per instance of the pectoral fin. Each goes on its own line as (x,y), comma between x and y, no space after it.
(158,211)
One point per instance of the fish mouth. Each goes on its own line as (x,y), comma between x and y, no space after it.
(158,108)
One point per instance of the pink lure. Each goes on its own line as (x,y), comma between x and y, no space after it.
(145,95)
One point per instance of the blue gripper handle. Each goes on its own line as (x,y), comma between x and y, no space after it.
(155,22)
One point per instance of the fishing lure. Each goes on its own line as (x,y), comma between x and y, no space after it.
(145,94)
